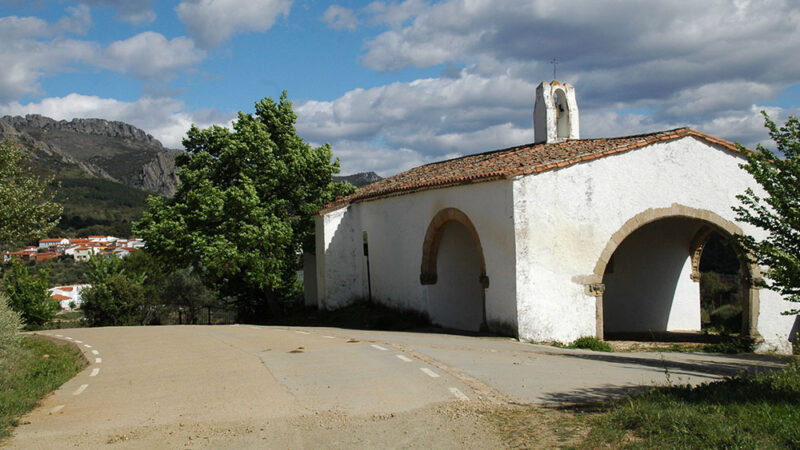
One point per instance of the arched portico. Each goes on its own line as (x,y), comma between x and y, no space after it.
(454,268)
(705,223)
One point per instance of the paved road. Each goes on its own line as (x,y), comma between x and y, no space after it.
(251,386)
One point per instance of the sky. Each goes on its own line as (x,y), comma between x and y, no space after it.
(393,85)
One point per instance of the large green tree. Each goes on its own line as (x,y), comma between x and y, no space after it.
(243,209)
(26,209)
(777,211)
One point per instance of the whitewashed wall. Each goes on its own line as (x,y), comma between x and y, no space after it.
(542,236)
(565,218)
(396,228)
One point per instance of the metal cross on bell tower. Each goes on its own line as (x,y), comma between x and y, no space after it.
(554,62)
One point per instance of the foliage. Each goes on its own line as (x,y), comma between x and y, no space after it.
(10,324)
(37,369)
(185,290)
(778,212)
(116,297)
(758,411)
(26,210)
(64,270)
(28,294)
(243,209)
(94,206)
(587,343)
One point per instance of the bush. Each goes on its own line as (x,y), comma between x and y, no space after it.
(727,318)
(118,300)
(28,295)
(10,324)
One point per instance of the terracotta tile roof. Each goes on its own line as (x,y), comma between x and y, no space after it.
(59,297)
(510,162)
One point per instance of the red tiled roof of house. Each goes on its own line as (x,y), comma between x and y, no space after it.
(64,288)
(50,240)
(510,162)
(82,248)
(59,297)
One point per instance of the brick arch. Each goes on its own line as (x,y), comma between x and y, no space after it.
(433,236)
(714,222)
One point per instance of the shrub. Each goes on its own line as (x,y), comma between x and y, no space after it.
(10,324)
(27,294)
(119,300)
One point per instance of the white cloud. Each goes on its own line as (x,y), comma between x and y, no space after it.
(78,23)
(150,55)
(26,61)
(638,67)
(340,18)
(165,118)
(212,22)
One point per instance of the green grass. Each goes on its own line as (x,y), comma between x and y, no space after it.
(27,375)
(760,411)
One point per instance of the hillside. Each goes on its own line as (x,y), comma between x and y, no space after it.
(103,170)
(359,179)
(114,151)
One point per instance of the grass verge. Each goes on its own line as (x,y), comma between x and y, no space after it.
(37,368)
(760,411)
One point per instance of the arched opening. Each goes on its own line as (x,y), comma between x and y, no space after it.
(562,113)
(719,272)
(652,270)
(453,267)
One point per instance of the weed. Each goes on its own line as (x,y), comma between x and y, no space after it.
(590,343)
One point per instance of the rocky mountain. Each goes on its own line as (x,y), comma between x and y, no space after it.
(110,150)
(359,179)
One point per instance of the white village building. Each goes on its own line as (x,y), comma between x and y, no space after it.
(555,240)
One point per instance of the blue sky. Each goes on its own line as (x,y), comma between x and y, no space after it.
(392,85)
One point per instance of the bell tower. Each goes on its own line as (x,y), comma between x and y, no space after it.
(555,113)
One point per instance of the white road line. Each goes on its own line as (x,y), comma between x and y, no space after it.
(69,338)
(79,342)
(87,345)
(378,347)
(301,332)
(404,358)
(95,352)
(95,371)
(329,337)
(98,360)
(80,389)
(429,372)
(56,409)
(458,394)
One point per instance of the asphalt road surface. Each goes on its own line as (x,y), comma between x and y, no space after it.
(244,386)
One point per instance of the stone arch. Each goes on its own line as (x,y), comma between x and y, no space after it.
(713,222)
(430,246)
(457,300)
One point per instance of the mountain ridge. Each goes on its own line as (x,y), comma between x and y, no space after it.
(112,150)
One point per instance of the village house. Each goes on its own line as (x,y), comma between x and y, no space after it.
(80,249)
(549,241)
(69,295)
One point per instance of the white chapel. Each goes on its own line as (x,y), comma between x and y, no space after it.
(549,241)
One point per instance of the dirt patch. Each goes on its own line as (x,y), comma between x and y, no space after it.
(469,425)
